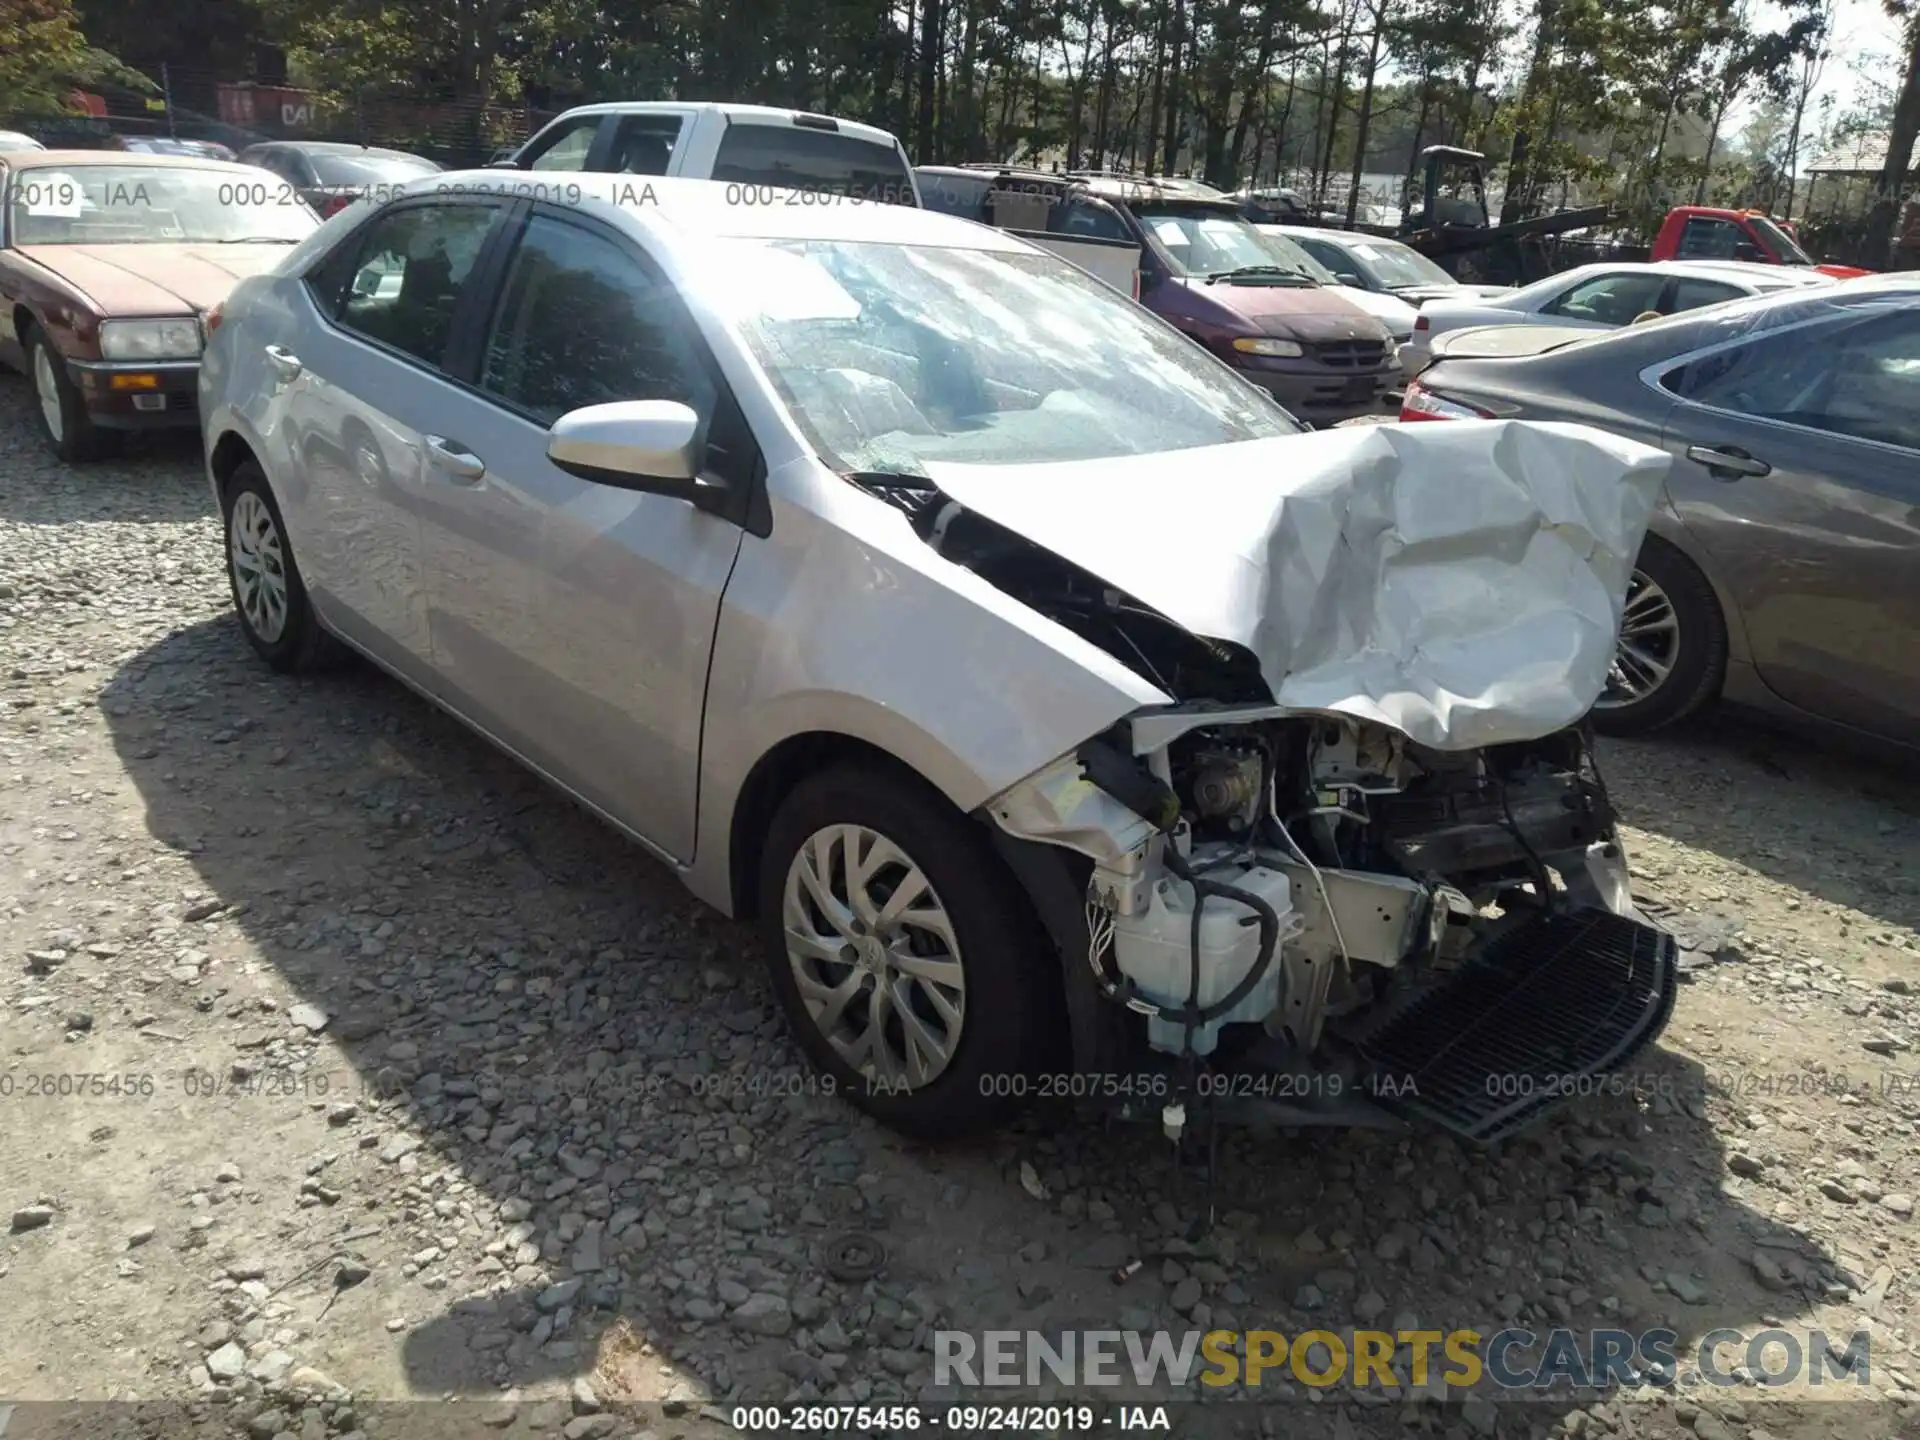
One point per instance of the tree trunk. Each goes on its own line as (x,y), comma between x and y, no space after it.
(968,124)
(1366,114)
(1419,134)
(1159,71)
(930,18)
(1519,158)
(1103,96)
(1713,142)
(1170,142)
(1893,175)
(1325,171)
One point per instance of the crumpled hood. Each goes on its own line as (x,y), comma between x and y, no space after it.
(1461,583)
(155,279)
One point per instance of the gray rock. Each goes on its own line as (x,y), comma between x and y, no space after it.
(1743,1164)
(1480,1414)
(1185,1295)
(229,1362)
(1691,1291)
(556,1295)
(585,1402)
(763,1314)
(310,1018)
(1897,1203)
(267,1424)
(588,1427)
(32,1217)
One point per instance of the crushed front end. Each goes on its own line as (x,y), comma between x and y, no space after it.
(1312,918)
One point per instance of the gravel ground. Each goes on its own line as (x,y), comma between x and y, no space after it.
(416,1083)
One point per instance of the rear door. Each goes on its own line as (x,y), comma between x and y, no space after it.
(1797,465)
(361,388)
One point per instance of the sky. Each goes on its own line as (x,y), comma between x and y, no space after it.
(1861,28)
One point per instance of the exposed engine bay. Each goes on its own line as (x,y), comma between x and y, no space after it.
(1312,907)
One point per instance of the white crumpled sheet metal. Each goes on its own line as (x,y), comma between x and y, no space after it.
(1459,581)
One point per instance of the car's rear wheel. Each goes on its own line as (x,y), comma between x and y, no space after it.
(1672,653)
(268,595)
(909,966)
(64,423)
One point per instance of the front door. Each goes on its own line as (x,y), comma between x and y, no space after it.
(572,619)
(1797,464)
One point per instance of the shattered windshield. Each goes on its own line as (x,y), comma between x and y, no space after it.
(891,356)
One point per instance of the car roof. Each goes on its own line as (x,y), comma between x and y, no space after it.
(1344,237)
(124,160)
(747,114)
(697,208)
(336,147)
(987,174)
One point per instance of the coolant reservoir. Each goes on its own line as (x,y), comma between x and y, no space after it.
(1153,950)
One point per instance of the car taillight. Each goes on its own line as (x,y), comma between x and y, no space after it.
(1420,403)
(214,316)
(1136,285)
(1423,322)
(335,204)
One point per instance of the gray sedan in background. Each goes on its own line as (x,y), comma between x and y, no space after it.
(1783,569)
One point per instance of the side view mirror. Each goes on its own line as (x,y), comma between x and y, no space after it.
(1747,251)
(1347,277)
(654,446)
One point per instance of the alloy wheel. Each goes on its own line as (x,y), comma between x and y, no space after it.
(259,566)
(1648,648)
(46,385)
(875,957)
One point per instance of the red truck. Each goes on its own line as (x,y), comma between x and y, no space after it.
(1704,232)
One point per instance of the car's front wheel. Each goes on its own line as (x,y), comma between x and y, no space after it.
(64,423)
(1672,652)
(268,595)
(907,960)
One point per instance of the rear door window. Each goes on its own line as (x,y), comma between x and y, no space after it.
(644,144)
(964,196)
(801,158)
(1614,299)
(1691,294)
(410,273)
(1705,238)
(1085,216)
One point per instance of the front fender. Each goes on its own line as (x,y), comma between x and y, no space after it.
(843,622)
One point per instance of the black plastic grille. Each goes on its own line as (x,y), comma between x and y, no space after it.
(1527,1025)
(1352,354)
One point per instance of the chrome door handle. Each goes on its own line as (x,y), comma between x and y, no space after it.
(453,458)
(285,363)
(1727,464)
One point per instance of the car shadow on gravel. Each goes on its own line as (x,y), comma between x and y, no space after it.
(156,477)
(1835,817)
(572,1071)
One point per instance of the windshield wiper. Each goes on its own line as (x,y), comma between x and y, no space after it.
(889,480)
(260,240)
(1275,273)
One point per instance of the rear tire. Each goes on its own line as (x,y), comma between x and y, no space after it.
(976,962)
(1672,654)
(268,595)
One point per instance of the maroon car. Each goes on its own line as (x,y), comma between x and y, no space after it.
(108,263)
(1207,272)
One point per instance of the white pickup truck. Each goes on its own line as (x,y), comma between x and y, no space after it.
(740,144)
(762,146)
(1052,211)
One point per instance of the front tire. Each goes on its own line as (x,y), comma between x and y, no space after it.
(1672,653)
(910,967)
(64,423)
(268,596)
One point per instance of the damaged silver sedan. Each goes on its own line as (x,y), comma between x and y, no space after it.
(1054,704)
